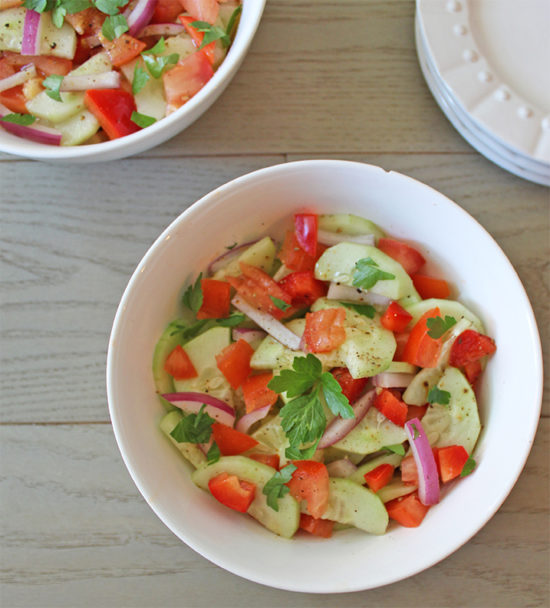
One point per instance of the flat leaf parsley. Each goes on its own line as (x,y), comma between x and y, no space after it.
(438,326)
(275,488)
(367,274)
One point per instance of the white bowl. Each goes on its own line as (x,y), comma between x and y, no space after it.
(163,129)
(260,203)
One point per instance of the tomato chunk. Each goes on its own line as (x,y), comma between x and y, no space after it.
(166,11)
(324,330)
(271,460)
(232,492)
(305,225)
(186,79)
(179,365)
(113,109)
(123,49)
(230,441)
(450,461)
(429,287)
(416,411)
(216,299)
(317,527)
(407,510)
(209,50)
(411,259)
(256,392)
(202,10)
(391,407)
(310,482)
(379,477)
(409,471)
(303,288)
(352,388)
(234,362)
(470,346)
(47,64)
(472,371)
(421,349)
(294,257)
(14,99)
(396,318)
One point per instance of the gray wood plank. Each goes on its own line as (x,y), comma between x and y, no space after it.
(76,533)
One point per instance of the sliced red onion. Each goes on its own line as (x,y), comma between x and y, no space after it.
(244,423)
(340,427)
(392,379)
(38,133)
(428,479)
(192,403)
(333,238)
(337,291)
(18,78)
(273,327)
(32,33)
(341,468)
(161,29)
(223,259)
(249,335)
(140,15)
(83,82)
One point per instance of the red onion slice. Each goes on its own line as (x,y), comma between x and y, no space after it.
(140,15)
(244,423)
(161,29)
(38,133)
(336,291)
(341,468)
(32,33)
(83,82)
(392,379)
(192,403)
(340,427)
(333,238)
(273,327)
(428,479)
(249,335)
(18,78)
(223,259)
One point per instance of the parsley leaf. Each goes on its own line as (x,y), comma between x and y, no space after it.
(275,488)
(211,33)
(192,298)
(363,309)
(367,274)
(213,454)
(436,395)
(306,371)
(396,448)
(438,326)
(53,85)
(280,304)
(336,400)
(114,26)
(140,79)
(158,65)
(233,19)
(142,120)
(468,467)
(75,6)
(193,428)
(189,331)
(231,246)
(39,5)
(109,7)
(19,119)
(303,419)
(159,47)
(416,432)
(58,18)
(234,319)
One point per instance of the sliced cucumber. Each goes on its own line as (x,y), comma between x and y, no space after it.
(283,522)
(448,308)
(189,450)
(166,344)
(78,128)
(401,367)
(271,435)
(338,264)
(458,422)
(417,391)
(395,489)
(359,475)
(261,254)
(11,29)
(150,99)
(347,223)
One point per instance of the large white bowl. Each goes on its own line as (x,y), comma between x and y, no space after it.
(163,129)
(259,204)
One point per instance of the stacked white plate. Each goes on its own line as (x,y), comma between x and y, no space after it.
(487,63)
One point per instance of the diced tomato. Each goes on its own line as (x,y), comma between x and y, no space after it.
(47,64)
(317,527)
(256,392)
(179,365)
(416,411)
(87,22)
(14,99)
(123,49)
(409,471)
(472,371)
(186,79)
(324,330)
(6,68)
(450,461)
(470,346)
(411,259)
(396,318)
(271,460)
(216,299)
(310,482)
(5,4)
(294,257)
(351,387)
(83,50)
(113,109)
(400,344)
(230,441)
(209,50)
(379,477)
(232,492)
(429,287)
(166,11)
(391,407)
(305,227)
(421,349)
(202,10)
(303,288)
(234,362)
(407,510)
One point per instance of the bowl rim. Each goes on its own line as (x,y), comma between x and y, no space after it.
(537,389)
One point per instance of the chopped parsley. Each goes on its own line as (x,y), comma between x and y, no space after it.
(363,309)
(436,395)
(114,26)
(194,428)
(140,79)
(142,120)
(19,119)
(156,64)
(188,331)
(396,448)
(438,326)
(53,85)
(280,304)
(275,488)
(468,467)
(214,32)
(213,454)
(367,273)
(192,298)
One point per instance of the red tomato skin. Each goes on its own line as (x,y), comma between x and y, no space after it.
(209,50)
(411,259)
(303,288)
(401,340)
(202,10)
(294,257)
(379,477)
(256,392)
(271,460)
(234,362)
(166,11)
(352,388)
(396,318)
(391,407)
(407,510)
(230,441)
(416,411)
(232,492)
(87,22)
(186,79)
(470,346)
(421,349)
(450,461)
(47,64)
(305,225)
(14,99)
(472,371)
(429,287)
(310,482)
(216,302)
(317,527)
(113,109)
(324,330)
(179,365)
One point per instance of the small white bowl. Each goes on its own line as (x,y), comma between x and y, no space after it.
(261,203)
(163,129)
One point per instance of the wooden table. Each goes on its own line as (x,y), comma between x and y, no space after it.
(322,79)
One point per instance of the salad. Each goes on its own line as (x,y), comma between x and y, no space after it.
(324,383)
(86,71)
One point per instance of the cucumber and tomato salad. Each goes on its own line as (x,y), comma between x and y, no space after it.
(85,71)
(323,382)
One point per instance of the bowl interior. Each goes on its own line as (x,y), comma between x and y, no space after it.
(259,204)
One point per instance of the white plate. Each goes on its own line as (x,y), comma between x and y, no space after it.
(493,56)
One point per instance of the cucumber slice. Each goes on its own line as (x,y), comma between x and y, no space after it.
(166,344)
(189,450)
(271,435)
(78,128)
(11,29)
(447,307)
(395,489)
(261,254)
(347,223)
(283,522)
(353,504)
(338,264)
(150,99)
(401,367)
(417,391)
(359,475)
(458,422)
